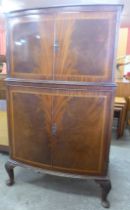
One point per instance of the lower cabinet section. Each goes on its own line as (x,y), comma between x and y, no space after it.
(61,130)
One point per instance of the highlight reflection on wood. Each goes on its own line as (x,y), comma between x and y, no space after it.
(78,58)
(39,41)
(61,88)
(74,116)
(60,49)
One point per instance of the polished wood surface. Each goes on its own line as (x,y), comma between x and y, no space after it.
(55,123)
(2,86)
(119,100)
(58,47)
(58,117)
(120,112)
(61,87)
(3,116)
(16,5)
(79,113)
(3,126)
(123,88)
(75,61)
(32,142)
(25,39)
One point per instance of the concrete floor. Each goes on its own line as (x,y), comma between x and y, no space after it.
(34,191)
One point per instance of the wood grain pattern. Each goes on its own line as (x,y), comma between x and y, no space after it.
(85,38)
(60,84)
(65,45)
(2,87)
(24,39)
(73,112)
(123,88)
(31,127)
(78,132)
(32,4)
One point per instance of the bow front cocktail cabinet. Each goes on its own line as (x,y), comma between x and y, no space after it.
(60,85)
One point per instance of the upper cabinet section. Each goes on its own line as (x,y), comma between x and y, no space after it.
(65,44)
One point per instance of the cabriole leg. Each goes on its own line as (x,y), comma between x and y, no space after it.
(10,170)
(105,187)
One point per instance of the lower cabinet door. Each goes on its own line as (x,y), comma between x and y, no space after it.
(29,125)
(61,129)
(82,128)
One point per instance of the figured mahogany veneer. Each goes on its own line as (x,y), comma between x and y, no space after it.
(60,122)
(59,45)
(61,88)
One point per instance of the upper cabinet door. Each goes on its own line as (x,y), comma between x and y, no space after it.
(31,41)
(84,46)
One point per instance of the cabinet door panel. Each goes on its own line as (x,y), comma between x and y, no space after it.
(82,121)
(31,42)
(64,129)
(30,122)
(86,46)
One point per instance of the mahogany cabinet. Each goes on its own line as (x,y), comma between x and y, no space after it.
(61,86)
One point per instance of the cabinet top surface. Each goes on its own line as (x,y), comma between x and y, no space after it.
(15,5)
